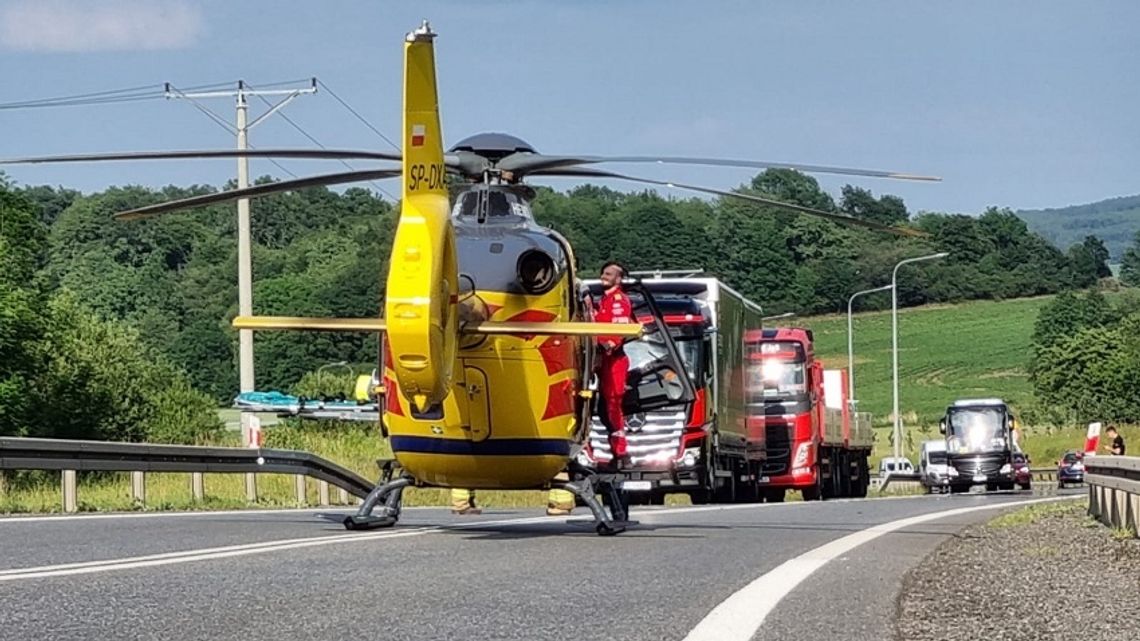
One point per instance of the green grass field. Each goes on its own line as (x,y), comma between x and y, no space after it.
(946,352)
(977,349)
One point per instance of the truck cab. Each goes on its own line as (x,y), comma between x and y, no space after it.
(813,444)
(979,444)
(699,447)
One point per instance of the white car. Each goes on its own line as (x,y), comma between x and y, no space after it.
(892,465)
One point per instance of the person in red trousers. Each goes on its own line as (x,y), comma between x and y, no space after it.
(613,364)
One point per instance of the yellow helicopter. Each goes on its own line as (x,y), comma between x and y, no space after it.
(487,350)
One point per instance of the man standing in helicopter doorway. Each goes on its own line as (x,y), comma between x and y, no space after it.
(613,368)
(613,364)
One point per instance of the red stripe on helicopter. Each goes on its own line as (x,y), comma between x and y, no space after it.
(559,399)
(557,353)
(391,401)
(532,316)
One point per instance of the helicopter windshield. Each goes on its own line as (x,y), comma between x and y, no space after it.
(500,203)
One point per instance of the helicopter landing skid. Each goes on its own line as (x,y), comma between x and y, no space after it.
(587,488)
(388,496)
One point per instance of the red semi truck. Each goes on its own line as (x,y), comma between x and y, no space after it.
(812,441)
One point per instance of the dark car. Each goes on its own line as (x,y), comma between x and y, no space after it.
(1071,468)
(1021,475)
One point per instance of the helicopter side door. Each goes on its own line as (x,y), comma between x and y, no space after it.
(657,376)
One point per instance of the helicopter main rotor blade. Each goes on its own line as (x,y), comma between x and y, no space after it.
(316,154)
(522,163)
(257,190)
(839,218)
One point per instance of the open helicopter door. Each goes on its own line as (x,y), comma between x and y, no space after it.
(657,376)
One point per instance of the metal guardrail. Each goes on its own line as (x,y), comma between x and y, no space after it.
(71,457)
(1114,490)
(1035,474)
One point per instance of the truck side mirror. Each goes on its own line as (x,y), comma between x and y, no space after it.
(942,426)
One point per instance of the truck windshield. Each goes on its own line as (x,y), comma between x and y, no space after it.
(776,371)
(975,430)
(643,353)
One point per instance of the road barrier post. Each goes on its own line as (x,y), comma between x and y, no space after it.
(70,492)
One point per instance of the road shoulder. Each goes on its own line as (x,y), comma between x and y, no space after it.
(1034,573)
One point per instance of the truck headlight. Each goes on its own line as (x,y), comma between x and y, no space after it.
(801,455)
(952,472)
(1006,469)
(690,457)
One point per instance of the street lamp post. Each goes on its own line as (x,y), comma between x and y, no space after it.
(851,342)
(895,341)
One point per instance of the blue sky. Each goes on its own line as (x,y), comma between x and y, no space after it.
(1022,104)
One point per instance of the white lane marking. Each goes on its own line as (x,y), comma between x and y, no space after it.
(205,554)
(186,556)
(153,515)
(739,617)
(6,520)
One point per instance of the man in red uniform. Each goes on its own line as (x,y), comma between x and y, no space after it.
(613,364)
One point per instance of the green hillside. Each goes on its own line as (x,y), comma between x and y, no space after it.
(1115,221)
(976,349)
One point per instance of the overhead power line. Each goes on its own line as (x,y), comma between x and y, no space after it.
(318,143)
(358,116)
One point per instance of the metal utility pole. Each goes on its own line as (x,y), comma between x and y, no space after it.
(245,272)
(851,341)
(895,340)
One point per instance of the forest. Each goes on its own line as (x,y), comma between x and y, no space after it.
(128,322)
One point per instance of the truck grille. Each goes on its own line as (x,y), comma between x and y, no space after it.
(779,448)
(972,465)
(656,441)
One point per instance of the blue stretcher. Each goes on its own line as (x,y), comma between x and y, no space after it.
(326,408)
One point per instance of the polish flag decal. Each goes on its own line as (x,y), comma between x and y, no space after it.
(417,135)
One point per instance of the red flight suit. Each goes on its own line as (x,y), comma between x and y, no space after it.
(613,367)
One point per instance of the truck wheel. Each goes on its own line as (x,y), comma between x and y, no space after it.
(774,494)
(844,467)
(864,477)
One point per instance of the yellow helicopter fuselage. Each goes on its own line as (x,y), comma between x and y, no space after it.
(513,417)
(484,410)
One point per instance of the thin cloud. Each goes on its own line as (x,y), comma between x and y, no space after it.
(98,25)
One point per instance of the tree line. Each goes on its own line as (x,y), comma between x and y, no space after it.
(88,303)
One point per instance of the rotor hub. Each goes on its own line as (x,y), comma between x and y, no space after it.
(493,146)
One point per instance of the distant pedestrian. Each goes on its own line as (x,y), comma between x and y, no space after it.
(1116,445)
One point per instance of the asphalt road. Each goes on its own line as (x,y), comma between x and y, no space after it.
(287,575)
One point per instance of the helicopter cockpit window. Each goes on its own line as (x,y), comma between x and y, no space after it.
(499,203)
